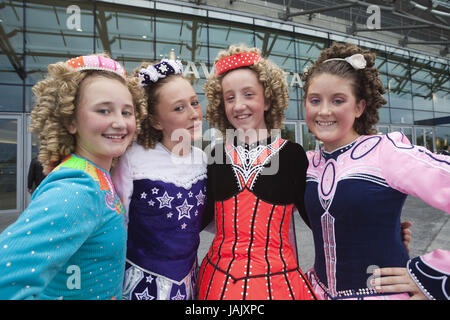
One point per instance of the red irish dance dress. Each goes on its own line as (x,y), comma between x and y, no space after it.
(251,256)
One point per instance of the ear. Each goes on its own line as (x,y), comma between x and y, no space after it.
(72,126)
(360,107)
(266,104)
(155,123)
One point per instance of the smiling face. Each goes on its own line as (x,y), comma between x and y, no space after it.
(331,110)
(104,123)
(178,113)
(244,100)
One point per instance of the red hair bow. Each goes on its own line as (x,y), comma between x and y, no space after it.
(236,61)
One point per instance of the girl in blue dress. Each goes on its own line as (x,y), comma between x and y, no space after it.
(70,242)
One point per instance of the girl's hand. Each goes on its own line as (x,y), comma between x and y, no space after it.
(406,234)
(396,280)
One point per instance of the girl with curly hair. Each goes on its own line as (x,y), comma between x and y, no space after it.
(162,183)
(70,242)
(358,181)
(253,185)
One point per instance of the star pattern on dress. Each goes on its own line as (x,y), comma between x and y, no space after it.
(200,198)
(165,200)
(178,296)
(155,190)
(143,195)
(151,203)
(149,278)
(144,295)
(184,210)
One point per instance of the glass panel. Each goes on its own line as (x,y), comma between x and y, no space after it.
(11,98)
(384,114)
(292,111)
(423,117)
(428,132)
(401,116)
(399,81)
(221,36)
(442,138)
(421,84)
(288,132)
(55,33)
(441,87)
(420,137)
(382,129)
(8,164)
(125,33)
(11,30)
(309,140)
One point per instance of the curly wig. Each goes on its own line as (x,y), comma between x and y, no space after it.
(149,136)
(271,77)
(366,82)
(56,99)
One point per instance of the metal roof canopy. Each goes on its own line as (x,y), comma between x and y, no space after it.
(401,16)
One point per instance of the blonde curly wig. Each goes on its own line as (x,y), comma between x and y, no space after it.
(270,75)
(56,99)
(366,82)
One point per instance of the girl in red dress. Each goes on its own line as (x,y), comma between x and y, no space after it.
(255,180)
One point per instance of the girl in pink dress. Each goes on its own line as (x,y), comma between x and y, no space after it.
(358,181)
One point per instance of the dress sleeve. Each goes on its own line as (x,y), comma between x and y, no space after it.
(123,183)
(61,216)
(416,171)
(430,272)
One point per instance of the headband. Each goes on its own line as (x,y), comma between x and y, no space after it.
(94,62)
(236,61)
(160,70)
(357,61)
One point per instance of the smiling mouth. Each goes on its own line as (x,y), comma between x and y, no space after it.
(243,116)
(325,123)
(114,136)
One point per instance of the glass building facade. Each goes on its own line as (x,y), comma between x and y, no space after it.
(37,33)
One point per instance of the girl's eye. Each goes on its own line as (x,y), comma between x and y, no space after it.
(127,113)
(103,111)
(195,103)
(338,101)
(179,108)
(229,98)
(314,101)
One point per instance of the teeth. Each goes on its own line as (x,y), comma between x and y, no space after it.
(325,123)
(243,116)
(113,137)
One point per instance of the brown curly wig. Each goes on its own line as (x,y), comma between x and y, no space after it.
(366,82)
(270,75)
(149,136)
(56,99)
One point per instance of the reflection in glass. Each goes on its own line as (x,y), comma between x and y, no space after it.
(399,81)
(11,98)
(8,164)
(442,137)
(421,84)
(401,116)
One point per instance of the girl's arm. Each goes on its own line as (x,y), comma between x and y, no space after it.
(59,219)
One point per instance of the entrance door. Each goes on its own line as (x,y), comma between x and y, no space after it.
(11,163)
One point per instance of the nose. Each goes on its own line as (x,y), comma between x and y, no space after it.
(324,108)
(118,122)
(240,103)
(195,113)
